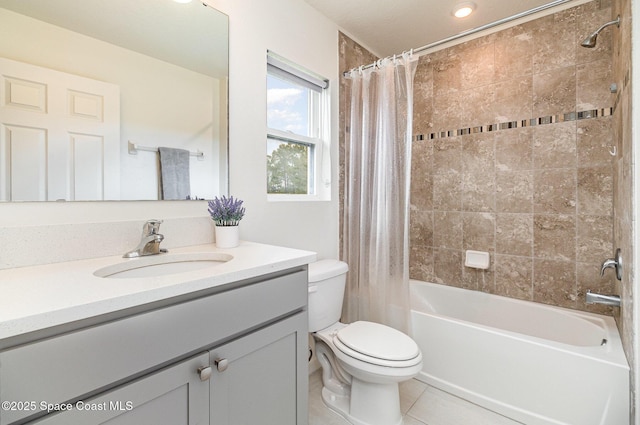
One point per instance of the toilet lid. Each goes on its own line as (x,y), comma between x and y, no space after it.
(378,341)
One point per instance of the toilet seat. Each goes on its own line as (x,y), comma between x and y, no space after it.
(377,344)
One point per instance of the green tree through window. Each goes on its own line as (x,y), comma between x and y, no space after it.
(287,169)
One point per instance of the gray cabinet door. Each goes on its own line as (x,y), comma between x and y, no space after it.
(172,396)
(262,378)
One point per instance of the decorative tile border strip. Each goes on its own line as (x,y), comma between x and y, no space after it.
(550,119)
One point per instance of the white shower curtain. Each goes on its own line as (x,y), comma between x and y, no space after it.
(376,204)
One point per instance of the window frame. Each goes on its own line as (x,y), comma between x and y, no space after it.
(318,179)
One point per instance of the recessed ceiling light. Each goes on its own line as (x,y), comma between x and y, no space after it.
(463,10)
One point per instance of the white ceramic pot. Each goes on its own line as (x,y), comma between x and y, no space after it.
(227,236)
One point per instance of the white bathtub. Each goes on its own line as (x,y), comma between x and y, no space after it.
(533,363)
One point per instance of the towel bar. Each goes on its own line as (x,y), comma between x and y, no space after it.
(134,148)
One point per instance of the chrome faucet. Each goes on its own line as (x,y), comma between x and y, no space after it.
(613,300)
(149,242)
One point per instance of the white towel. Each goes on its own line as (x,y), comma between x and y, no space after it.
(174,173)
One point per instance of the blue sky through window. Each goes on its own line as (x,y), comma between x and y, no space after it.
(287,106)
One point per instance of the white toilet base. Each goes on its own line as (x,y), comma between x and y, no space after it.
(369,404)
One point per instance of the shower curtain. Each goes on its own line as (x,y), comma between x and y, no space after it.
(376,203)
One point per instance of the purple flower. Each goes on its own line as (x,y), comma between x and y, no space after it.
(226,211)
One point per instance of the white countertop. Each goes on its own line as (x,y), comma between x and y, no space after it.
(39,297)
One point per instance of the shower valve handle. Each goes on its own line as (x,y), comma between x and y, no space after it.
(613,263)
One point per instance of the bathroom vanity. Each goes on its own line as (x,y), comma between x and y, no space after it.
(222,344)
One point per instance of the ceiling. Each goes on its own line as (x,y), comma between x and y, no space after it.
(156,28)
(387,27)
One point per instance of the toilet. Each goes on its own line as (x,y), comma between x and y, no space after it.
(362,362)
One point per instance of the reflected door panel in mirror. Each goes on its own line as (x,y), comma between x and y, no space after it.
(170,62)
(61,135)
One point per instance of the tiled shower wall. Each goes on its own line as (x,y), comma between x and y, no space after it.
(511,155)
(623,186)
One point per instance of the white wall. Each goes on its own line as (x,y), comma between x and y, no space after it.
(297,32)
(292,29)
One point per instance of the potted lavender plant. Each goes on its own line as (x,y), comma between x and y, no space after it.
(226,213)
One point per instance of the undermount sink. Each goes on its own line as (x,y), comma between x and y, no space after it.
(162,264)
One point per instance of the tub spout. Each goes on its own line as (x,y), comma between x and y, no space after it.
(593,298)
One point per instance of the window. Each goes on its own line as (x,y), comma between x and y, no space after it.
(297,129)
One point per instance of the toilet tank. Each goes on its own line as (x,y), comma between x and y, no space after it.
(327,280)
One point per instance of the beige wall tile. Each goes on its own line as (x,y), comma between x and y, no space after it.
(421,228)
(514,234)
(554,145)
(554,236)
(554,41)
(447,78)
(447,266)
(447,229)
(595,190)
(554,191)
(554,92)
(478,66)
(479,191)
(423,97)
(514,276)
(593,84)
(477,106)
(447,156)
(478,231)
(514,149)
(554,282)
(422,175)
(478,153)
(512,100)
(421,263)
(514,191)
(594,235)
(513,53)
(594,142)
(447,192)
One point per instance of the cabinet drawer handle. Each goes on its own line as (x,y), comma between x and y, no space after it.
(221,364)
(205,373)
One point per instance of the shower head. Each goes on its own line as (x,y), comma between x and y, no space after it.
(591,40)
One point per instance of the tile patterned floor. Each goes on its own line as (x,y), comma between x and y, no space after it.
(420,404)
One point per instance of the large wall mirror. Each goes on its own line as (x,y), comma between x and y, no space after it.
(100,99)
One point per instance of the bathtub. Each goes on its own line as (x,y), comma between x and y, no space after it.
(531,362)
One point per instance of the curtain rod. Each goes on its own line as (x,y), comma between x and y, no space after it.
(471,31)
